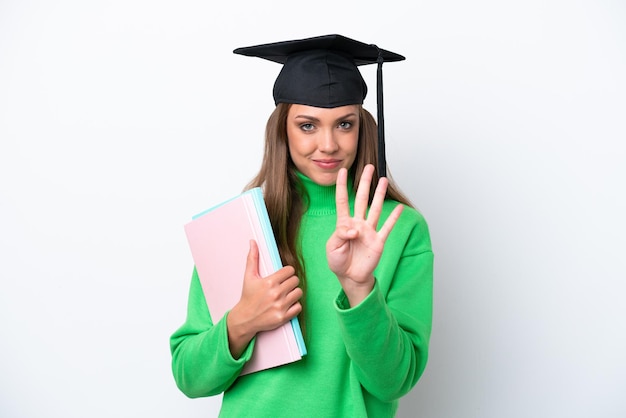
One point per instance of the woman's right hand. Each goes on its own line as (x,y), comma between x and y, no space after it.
(266,303)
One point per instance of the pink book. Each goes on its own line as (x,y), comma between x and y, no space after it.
(219,239)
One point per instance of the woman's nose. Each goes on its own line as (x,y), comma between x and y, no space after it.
(327,142)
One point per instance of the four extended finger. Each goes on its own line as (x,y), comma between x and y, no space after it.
(341,194)
(363,192)
(377,202)
(390,222)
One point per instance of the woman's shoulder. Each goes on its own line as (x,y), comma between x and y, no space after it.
(410,231)
(409,213)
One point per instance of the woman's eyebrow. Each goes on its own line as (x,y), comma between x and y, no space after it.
(313,118)
(307,117)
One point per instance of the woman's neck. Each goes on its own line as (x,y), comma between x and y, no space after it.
(321,199)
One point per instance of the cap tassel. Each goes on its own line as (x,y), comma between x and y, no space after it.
(382,163)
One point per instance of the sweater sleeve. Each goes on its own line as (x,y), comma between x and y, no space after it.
(201,360)
(387,335)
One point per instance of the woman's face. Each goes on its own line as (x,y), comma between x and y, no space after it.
(321,141)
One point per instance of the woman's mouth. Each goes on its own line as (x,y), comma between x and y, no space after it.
(327,164)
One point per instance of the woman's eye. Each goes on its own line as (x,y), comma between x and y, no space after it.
(307,126)
(345,125)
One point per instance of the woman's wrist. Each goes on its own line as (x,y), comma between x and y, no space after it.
(239,334)
(356,291)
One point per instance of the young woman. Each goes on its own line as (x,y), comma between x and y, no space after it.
(358,258)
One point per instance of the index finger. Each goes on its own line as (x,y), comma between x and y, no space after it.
(341,194)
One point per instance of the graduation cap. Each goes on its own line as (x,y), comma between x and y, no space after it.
(322,72)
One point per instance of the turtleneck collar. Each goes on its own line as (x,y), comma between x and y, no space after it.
(321,199)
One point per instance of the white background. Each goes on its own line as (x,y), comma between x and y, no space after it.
(505,125)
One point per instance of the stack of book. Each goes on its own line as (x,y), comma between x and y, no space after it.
(219,239)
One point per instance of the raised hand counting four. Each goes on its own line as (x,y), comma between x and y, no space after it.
(354,249)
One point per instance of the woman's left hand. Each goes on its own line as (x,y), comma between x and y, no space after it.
(354,249)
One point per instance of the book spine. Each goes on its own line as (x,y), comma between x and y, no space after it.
(261,210)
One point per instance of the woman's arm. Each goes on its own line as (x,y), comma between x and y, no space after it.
(202,363)
(207,358)
(387,335)
(385,307)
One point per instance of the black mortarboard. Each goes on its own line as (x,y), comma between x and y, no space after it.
(322,72)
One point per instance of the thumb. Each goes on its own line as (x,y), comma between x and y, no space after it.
(252,261)
(339,238)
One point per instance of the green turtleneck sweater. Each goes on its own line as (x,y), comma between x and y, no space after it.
(360,360)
